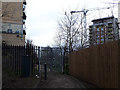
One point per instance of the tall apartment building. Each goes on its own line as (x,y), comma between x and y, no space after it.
(13,23)
(104,30)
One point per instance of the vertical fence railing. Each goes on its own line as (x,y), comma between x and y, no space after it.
(12,57)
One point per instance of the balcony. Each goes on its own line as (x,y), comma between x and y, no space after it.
(110,37)
(24,32)
(24,16)
(109,34)
(90,39)
(110,25)
(90,33)
(24,2)
(110,30)
(24,7)
(23,21)
(90,36)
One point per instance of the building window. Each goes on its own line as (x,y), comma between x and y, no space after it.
(98,33)
(97,29)
(102,39)
(24,16)
(24,7)
(9,30)
(98,40)
(102,42)
(24,32)
(98,36)
(102,29)
(3,31)
(17,32)
(102,33)
(24,2)
(23,21)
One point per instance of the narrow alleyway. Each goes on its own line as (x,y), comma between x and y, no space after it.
(55,80)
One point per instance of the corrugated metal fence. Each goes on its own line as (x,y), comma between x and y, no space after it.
(98,65)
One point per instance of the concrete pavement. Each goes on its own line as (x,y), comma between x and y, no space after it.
(55,80)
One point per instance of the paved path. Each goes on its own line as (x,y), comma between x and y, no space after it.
(59,81)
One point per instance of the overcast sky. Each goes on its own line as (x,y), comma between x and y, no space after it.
(42,16)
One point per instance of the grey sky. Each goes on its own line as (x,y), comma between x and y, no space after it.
(42,16)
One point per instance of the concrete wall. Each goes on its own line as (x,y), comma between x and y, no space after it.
(12,12)
(12,39)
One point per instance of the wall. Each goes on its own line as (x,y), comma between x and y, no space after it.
(12,12)
(14,27)
(12,19)
(12,39)
(97,65)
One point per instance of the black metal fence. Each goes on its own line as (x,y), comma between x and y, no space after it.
(13,58)
(27,59)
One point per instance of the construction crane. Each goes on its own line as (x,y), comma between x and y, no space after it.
(85,11)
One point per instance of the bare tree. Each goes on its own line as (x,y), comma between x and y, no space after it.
(29,42)
(70,35)
(71,32)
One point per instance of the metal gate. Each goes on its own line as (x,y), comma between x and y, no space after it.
(53,57)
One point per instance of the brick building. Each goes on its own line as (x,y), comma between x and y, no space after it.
(13,23)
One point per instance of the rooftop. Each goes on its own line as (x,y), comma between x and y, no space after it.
(103,18)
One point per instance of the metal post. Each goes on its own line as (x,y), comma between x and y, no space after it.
(39,59)
(62,53)
(45,71)
(85,23)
